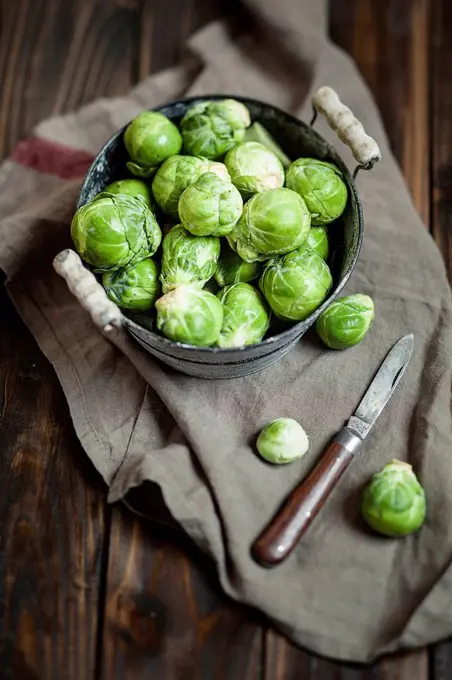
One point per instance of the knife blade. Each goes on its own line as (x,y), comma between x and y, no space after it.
(282,534)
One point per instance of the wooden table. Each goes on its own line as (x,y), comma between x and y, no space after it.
(91,591)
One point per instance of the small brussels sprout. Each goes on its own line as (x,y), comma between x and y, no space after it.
(232,269)
(187,258)
(246,316)
(321,186)
(112,232)
(296,284)
(394,503)
(318,242)
(135,287)
(273,223)
(190,315)
(149,139)
(282,441)
(210,206)
(253,169)
(172,178)
(346,321)
(131,187)
(258,133)
(211,128)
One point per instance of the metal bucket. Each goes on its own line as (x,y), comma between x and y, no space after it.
(297,139)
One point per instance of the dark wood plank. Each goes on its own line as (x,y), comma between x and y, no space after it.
(57,55)
(165,616)
(442,129)
(54,56)
(389,41)
(52,518)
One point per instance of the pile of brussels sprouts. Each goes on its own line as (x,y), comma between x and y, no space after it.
(219,232)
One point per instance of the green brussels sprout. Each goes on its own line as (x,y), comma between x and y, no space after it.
(232,269)
(190,315)
(321,186)
(258,133)
(211,128)
(346,321)
(282,441)
(187,258)
(112,232)
(296,284)
(172,178)
(253,168)
(273,223)
(134,287)
(393,503)
(210,206)
(131,187)
(246,316)
(318,241)
(149,139)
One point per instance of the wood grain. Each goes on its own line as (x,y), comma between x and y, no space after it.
(165,616)
(52,517)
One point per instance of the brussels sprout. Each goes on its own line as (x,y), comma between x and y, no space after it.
(149,139)
(232,269)
(172,178)
(257,133)
(253,168)
(246,316)
(113,232)
(318,242)
(273,223)
(187,258)
(393,503)
(346,321)
(213,127)
(282,441)
(321,186)
(135,287)
(190,315)
(296,284)
(210,206)
(131,187)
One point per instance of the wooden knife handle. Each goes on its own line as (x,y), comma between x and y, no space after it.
(280,537)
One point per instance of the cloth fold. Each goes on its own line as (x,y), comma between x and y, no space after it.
(343,593)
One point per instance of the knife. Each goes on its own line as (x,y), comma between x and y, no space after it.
(280,537)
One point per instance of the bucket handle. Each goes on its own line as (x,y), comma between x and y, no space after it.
(350,131)
(88,291)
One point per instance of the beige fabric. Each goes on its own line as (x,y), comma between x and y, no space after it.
(344,592)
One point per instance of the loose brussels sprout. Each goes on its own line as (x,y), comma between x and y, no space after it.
(253,168)
(135,287)
(213,127)
(149,139)
(318,242)
(296,284)
(131,187)
(210,206)
(246,316)
(113,232)
(282,441)
(273,223)
(393,503)
(187,258)
(346,321)
(190,315)
(172,178)
(321,186)
(257,133)
(232,269)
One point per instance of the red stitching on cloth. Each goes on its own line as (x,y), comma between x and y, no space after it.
(53,158)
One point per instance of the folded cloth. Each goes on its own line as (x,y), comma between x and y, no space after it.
(344,592)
